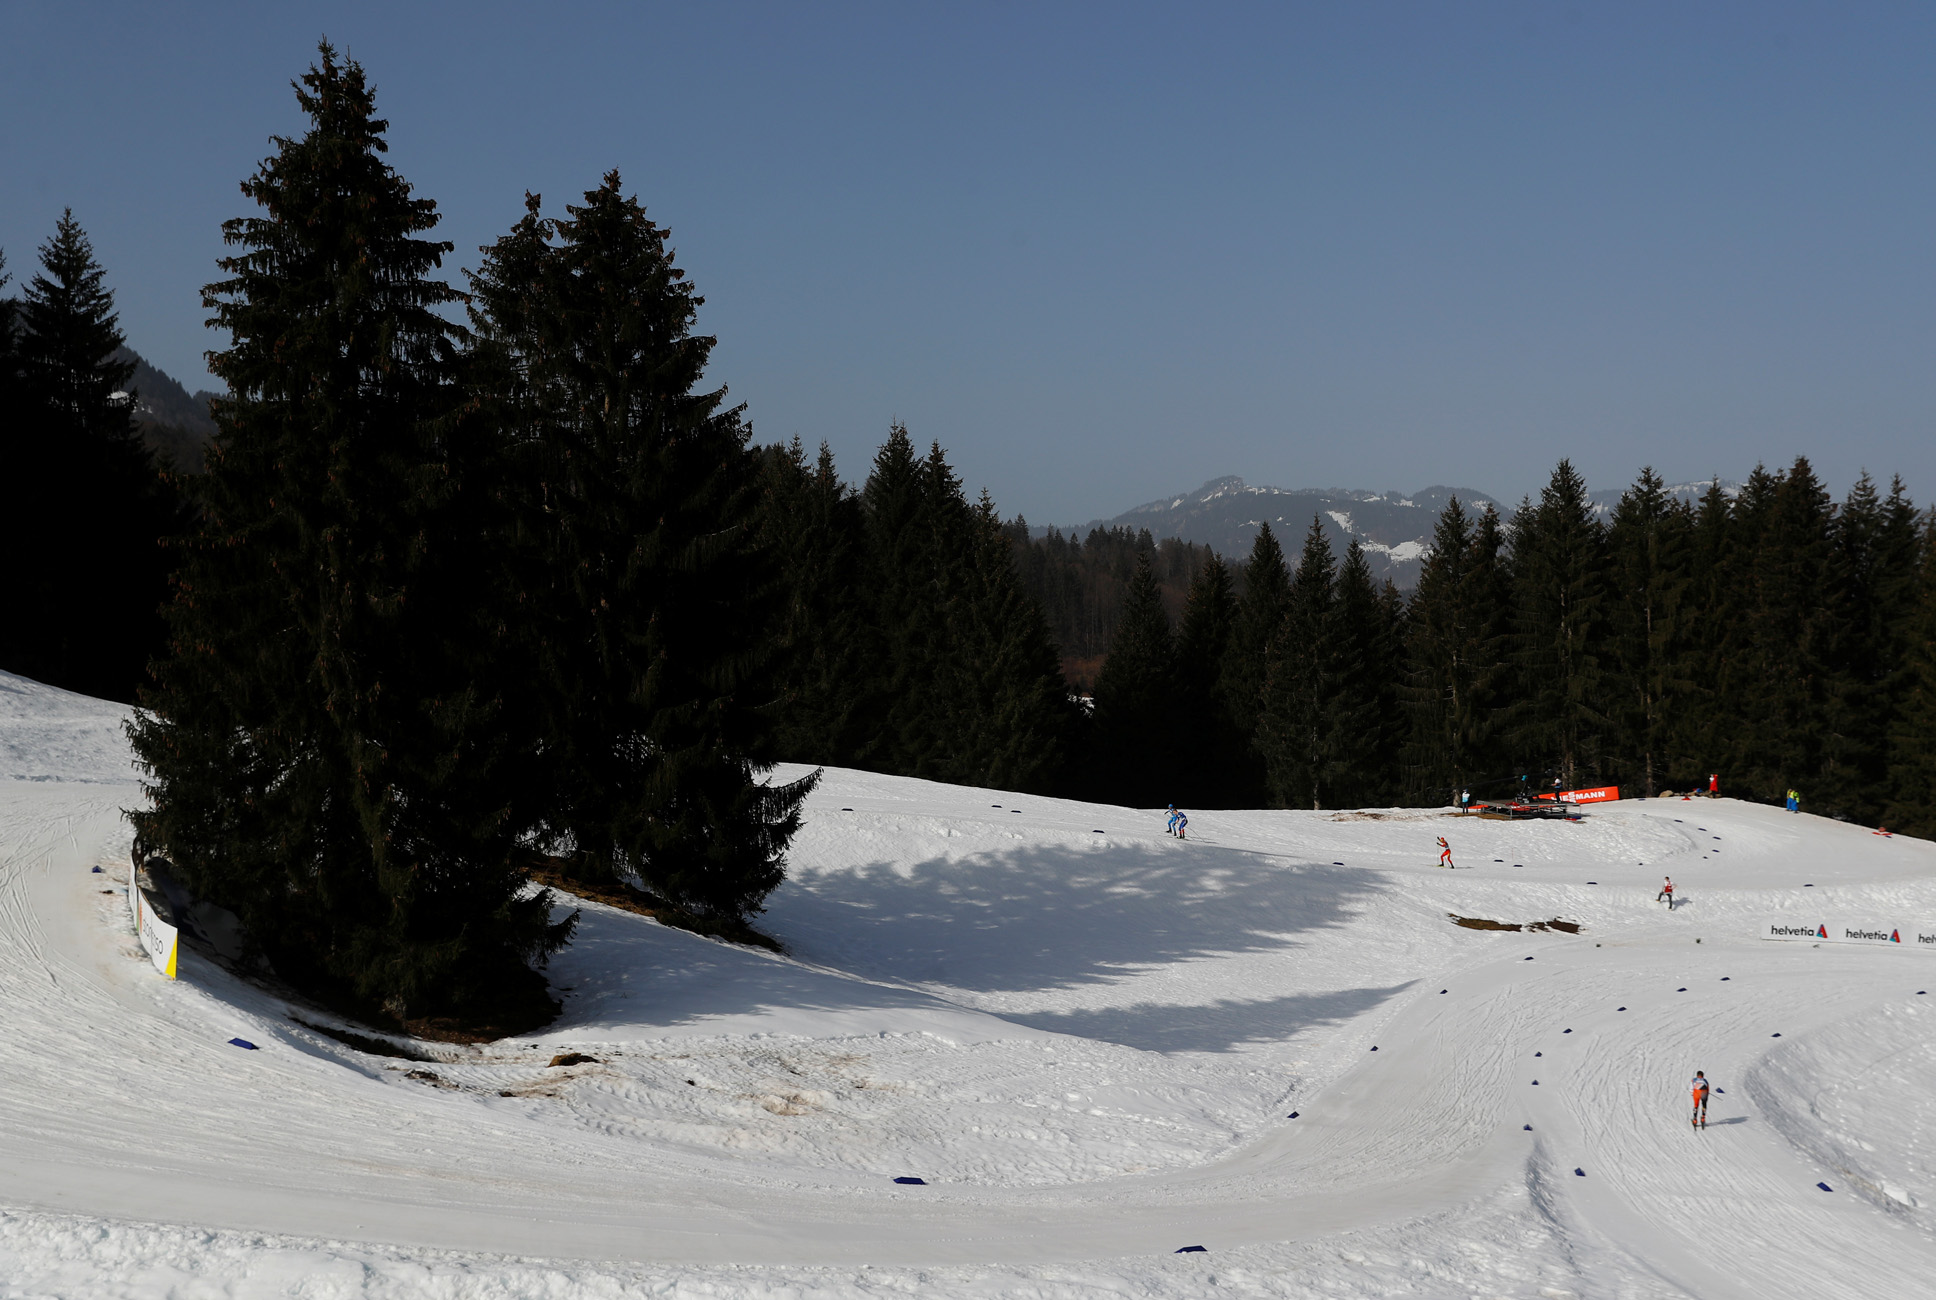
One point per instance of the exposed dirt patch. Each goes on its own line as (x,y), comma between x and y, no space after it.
(790,1103)
(433,1079)
(1482,923)
(364,1042)
(572,1058)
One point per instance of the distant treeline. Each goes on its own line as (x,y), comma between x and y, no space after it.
(1082,585)
(1775,638)
(457,606)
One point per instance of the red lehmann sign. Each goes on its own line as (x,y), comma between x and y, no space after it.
(1598,794)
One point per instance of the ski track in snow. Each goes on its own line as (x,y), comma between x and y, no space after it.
(1087,1043)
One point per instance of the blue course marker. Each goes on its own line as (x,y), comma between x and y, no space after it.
(244,1043)
(1566,1031)
(1825,1187)
(1529,959)
(1441,990)
(97,871)
(1774,1035)
(912,1182)
(1190,1250)
(1374,1048)
(1536,1083)
(1337,864)
(1292,1115)
(1680,990)
(1528,1127)
(1579,1173)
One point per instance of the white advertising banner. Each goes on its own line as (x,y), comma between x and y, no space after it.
(160,940)
(1873,933)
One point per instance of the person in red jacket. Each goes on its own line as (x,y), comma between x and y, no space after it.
(1666,892)
(1714,785)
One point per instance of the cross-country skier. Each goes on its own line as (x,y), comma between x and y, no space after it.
(1666,892)
(1170,827)
(1182,826)
(1698,1086)
(1445,853)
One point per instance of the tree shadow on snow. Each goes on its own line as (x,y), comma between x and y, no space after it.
(1052,917)
(1222,1026)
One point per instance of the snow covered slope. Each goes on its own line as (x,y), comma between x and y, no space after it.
(1086,1036)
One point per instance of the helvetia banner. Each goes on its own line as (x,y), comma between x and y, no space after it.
(1876,934)
(159,939)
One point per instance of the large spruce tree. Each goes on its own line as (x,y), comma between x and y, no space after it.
(1647,555)
(1370,623)
(323,747)
(1011,718)
(1302,731)
(1214,758)
(828,646)
(648,605)
(1135,701)
(1778,686)
(1558,585)
(1253,638)
(1872,582)
(1455,685)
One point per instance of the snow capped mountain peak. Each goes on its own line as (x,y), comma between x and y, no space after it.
(1393,528)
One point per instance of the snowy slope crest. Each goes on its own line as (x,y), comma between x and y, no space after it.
(48,734)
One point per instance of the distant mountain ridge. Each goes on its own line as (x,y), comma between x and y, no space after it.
(1226,513)
(173,423)
(1394,528)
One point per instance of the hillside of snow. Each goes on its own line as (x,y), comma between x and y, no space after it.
(1086,1037)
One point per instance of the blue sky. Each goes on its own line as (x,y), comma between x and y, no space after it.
(1105,252)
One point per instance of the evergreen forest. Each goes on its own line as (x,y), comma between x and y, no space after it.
(483,584)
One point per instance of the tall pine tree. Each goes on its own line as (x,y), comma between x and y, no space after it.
(1134,701)
(1455,651)
(1253,638)
(651,605)
(1302,731)
(1558,593)
(829,648)
(323,754)
(1647,551)
(1213,753)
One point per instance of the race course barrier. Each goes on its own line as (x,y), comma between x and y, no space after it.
(1597,794)
(1873,933)
(159,939)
